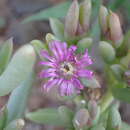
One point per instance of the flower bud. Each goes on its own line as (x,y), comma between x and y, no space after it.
(85,14)
(81,118)
(107,51)
(92,108)
(72,20)
(83,44)
(103,19)
(50,37)
(94,111)
(115,29)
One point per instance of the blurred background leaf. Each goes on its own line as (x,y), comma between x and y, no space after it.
(58,11)
(18,69)
(46,116)
(18,99)
(5,54)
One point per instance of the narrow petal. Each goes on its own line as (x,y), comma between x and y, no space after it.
(63,88)
(46,55)
(85,60)
(52,82)
(85,73)
(53,49)
(77,83)
(58,46)
(47,63)
(70,89)
(48,73)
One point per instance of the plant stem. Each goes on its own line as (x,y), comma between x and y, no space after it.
(106,101)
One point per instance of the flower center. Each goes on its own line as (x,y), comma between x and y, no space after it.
(67,68)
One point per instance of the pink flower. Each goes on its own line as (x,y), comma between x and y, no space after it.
(65,68)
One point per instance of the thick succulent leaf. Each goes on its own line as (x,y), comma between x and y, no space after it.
(18,69)
(98,127)
(66,115)
(57,11)
(46,116)
(5,54)
(3,117)
(57,28)
(125,126)
(38,46)
(114,118)
(15,125)
(122,94)
(91,83)
(18,99)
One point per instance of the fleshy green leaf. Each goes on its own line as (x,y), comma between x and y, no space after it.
(15,125)
(91,83)
(125,126)
(57,11)
(114,118)
(38,46)
(122,94)
(18,99)
(5,54)
(46,116)
(3,117)
(66,115)
(18,69)
(57,28)
(98,127)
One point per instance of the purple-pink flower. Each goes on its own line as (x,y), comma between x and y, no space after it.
(63,68)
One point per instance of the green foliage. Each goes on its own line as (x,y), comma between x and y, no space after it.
(125,126)
(114,118)
(98,127)
(90,83)
(18,99)
(122,94)
(5,54)
(50,116)
(15,125)
(57,11)
(57,28)
(18,69)
(3,117)
(66,115)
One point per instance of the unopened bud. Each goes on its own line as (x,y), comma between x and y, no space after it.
(72,20)
(92,108)
(50,37)
(83,44)
(103,19)
(85,14)
(94,111)
(107,51)
(116,34)
(81,118)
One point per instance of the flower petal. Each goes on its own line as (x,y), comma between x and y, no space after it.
(52,82)
(77,83)
(85,73)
